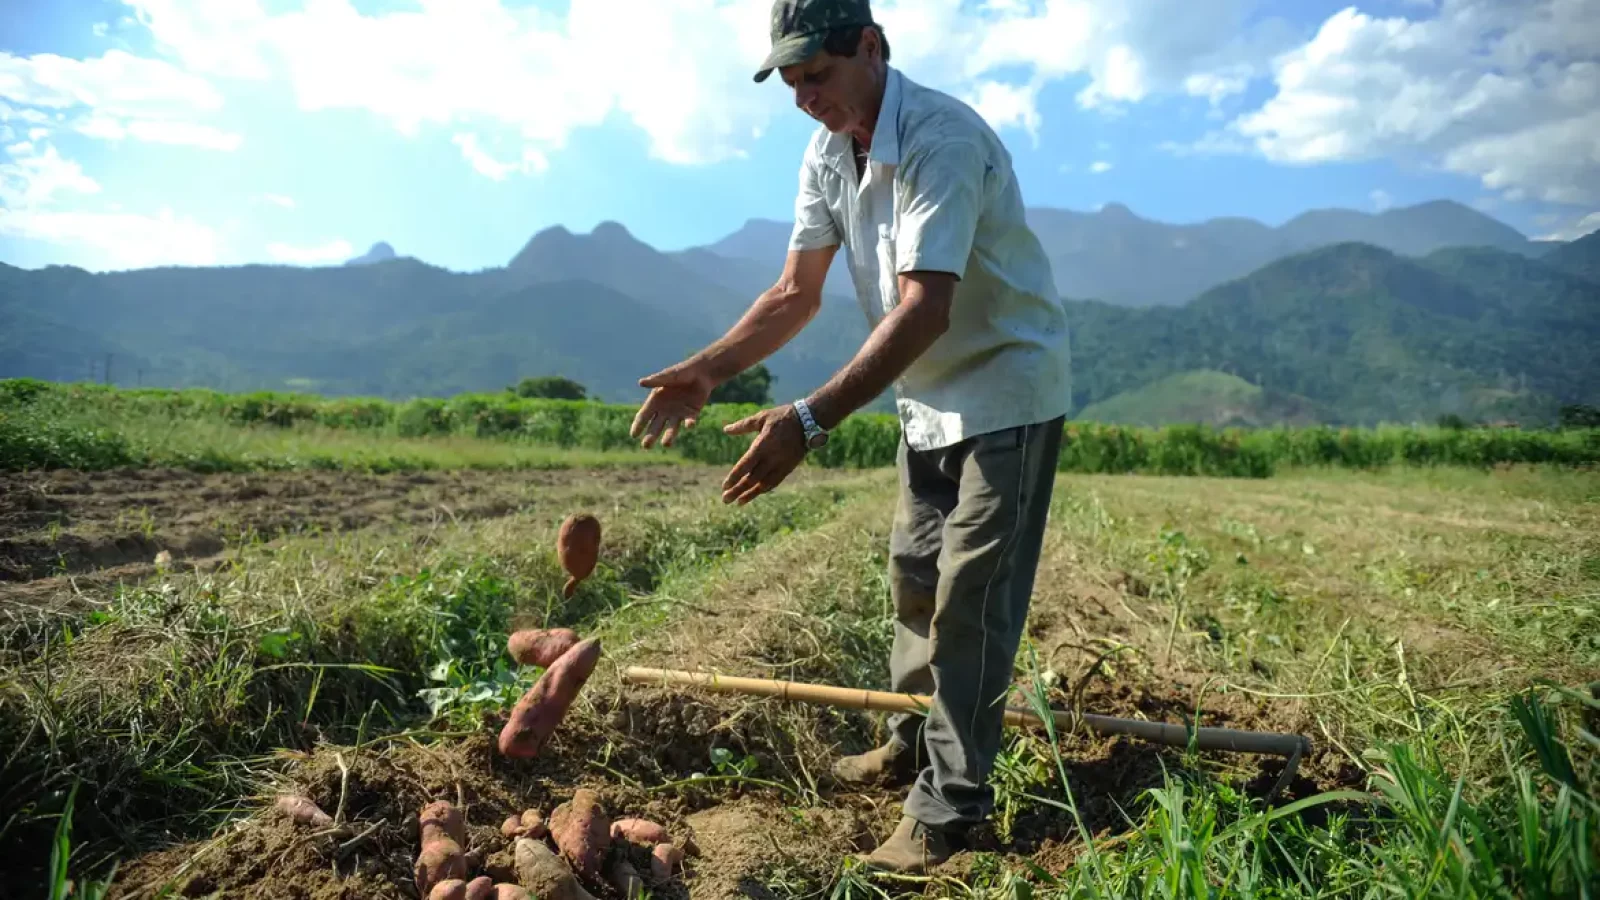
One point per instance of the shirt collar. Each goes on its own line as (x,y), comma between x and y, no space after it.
(886,133)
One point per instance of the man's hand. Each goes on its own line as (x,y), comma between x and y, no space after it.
(779,447)
(678,395)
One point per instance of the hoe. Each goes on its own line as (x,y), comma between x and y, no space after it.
(1290,746)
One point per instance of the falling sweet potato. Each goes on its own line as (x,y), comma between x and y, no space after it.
(441,860)
(582,833)
(540,646)
(480,888)
(508,892)
(542,708)
(449,889)
(663,860)
(578,546)
(303,811)
(512,827)
(544,875)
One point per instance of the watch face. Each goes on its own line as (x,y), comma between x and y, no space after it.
(818,440)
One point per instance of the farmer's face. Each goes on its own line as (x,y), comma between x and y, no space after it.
(837,91)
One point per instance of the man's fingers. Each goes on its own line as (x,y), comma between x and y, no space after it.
(663,378)
(645,414)
(654,431)
(744,466)
(744,425)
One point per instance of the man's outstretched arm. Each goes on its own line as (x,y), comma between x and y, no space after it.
(679,393)
(922,315)
(773,320)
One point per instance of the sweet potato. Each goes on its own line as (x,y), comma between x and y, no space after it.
(582,833)
(512,827)
(508,892)
(449,889)
(440,817)
(578,546)
(540,646)
(441,860)
(663,859)
(639,831)
(303,811)
(542,708)
(480,888)
(443,831)
(533,824)
(545,875)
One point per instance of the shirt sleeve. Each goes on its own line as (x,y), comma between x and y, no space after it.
(814,227)
(942,197)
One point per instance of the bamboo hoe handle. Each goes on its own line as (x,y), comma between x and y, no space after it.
(1290,745)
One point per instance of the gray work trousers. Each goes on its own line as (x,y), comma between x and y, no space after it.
(962,557)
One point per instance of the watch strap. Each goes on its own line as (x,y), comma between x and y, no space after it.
(807,421)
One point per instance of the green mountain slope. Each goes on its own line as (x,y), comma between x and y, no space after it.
(1580,257)
(1351,332)
(1367,334)
(1117,256)
(1205,397)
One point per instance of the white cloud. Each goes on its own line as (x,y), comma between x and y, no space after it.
(33,177)
(279,200)
(36,182)
(1099,166)
(333,251)
(117,83)
(1587,224)
(1504,92)
(154,131)
(115,96)
(1380,199)
(123,240)
(532,160)
(1218,86)
(1007,106)
(680,70)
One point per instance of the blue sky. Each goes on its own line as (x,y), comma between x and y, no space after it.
(146,132)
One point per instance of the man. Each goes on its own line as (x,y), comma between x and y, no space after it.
(969,332)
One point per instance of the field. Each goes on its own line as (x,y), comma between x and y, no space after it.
(328,612)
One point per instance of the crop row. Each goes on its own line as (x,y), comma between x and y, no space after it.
(864,440)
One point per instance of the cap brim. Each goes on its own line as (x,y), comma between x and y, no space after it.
(791,51)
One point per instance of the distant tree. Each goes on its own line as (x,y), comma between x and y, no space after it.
(753,385)
(1453,422)
(550,387)
(1580,415)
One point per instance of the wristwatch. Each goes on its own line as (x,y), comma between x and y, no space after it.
(815,435)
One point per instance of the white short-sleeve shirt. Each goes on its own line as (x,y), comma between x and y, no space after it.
(939,194)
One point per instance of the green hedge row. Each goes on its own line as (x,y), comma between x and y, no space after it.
(864,440)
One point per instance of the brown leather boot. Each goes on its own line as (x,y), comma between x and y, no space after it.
(913,849)
(892,765)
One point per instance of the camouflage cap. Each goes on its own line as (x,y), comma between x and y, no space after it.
(799,27)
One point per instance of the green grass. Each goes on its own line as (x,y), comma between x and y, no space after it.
(88,438)
(1431,629)
(46,425)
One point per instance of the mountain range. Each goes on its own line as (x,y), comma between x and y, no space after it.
(1336,316)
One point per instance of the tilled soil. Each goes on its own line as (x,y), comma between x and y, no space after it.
(75,523)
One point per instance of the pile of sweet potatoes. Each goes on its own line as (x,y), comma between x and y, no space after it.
(578,848)
(589,848)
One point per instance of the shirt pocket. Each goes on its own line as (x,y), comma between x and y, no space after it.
(888,273)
